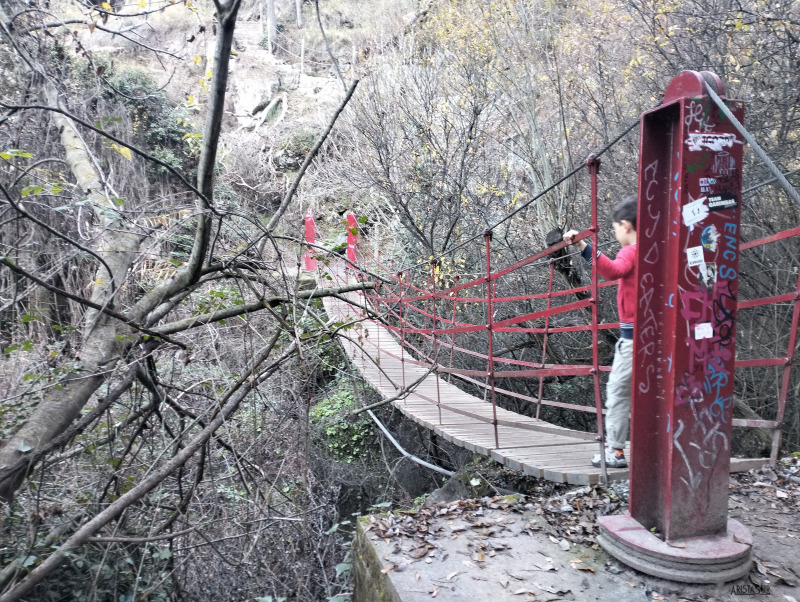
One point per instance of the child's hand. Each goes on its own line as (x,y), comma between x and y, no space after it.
(569,237)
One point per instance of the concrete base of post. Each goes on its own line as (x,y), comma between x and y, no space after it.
(708,559)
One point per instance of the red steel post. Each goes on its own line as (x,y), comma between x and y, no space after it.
(452,334)
(434,263)
(690,181)
(427,309)
(787,374)
(544,339)
(352,236)
(311,238)
(377,307)
(402,334)
(487,235)
(593,163)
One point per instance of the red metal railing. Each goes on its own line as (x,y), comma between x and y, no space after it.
(419,315)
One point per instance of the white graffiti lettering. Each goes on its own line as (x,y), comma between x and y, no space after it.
(697,117)
(712,142)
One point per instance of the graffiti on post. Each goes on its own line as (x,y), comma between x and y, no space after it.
(697,117)
(648,328)
(708,312)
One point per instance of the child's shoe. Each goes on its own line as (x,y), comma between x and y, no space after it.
(615,458)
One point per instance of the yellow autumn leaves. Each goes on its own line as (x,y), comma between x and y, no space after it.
(123,150)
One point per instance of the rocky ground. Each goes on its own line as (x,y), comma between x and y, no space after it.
(544,548)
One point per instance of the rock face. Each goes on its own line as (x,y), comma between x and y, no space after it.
(289,159)
(252,94)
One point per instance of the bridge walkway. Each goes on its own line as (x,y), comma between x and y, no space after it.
(531,446)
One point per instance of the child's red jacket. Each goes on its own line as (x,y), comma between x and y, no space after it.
(622,268)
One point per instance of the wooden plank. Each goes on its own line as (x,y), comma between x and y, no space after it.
(526,454)
(548,441)
(574,458)
(579,450)
(518,441)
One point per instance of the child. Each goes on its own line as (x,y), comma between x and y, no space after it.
(623,268)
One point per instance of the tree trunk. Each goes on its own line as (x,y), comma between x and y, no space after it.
(99,351)
(101,348)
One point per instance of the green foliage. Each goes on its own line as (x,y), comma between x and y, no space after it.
(10,153)
(94,574)
(419,501)
(25,345)
(332,356)
(218,298)
(13,414)
(169,157)
(301,141)
(168,131)
(170,127)
(345,437)
(134,83)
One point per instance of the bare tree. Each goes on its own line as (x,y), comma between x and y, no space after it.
(100,299)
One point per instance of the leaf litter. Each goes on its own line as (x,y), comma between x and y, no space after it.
(570,519)
(565,519)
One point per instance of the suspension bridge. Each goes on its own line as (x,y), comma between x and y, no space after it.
(413,342)
(425,395)
(413,345)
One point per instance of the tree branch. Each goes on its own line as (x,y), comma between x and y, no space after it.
(328,46)
(96,306)
(75,429)
(172,535)
(232,312)
(230,402)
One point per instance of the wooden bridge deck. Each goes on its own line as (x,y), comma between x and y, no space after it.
(531,446)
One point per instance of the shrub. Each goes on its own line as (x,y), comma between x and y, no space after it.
(344,436)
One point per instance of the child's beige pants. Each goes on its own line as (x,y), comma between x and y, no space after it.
(618,395)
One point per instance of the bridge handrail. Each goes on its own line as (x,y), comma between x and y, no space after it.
(417,314)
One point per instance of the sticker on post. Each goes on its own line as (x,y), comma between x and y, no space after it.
(695,212)
(703,331)
(709,238)
(708,275)
(703,271)
(720,202)
(706,184)
(695,256)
